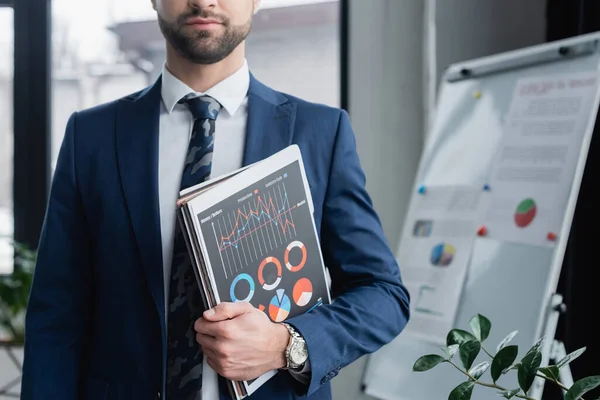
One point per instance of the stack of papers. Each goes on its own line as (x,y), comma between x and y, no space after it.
(252,237)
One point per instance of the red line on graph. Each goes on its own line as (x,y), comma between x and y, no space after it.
(266,207)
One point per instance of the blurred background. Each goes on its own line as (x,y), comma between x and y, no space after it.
(381,60)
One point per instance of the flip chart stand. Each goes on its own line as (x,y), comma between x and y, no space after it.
(502,276)
(558,352)
(553,350)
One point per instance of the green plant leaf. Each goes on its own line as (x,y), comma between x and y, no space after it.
(481,327)
(536,346)
(462,391)
(570,357)
(506,340)
(503,360)
(550,371)
(582,386)
(450,351)
(528,368)
(468,352)
(478,370)
(509,394)
(458,336)
(514,366)
(427,362)
(14,292)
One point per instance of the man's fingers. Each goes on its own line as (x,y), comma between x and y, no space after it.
(221,329)
(226,310)
(216,321)
(206,341)
(213,329)
(212,347)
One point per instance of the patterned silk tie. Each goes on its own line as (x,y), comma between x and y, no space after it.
(184,357)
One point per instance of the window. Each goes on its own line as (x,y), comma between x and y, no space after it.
(293,48)
(6,140)
(88,67)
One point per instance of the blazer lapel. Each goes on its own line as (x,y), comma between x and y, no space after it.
(270,122)
(137,155)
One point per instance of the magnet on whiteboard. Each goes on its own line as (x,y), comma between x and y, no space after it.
(552,236)
(482,231)
(486,187)
(477,94)
(422,189)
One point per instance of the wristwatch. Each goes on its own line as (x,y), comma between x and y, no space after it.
(296,352)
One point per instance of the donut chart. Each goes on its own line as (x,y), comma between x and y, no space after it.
(280,305)
(261,279)
(241,277)
(303,291)
(286,256)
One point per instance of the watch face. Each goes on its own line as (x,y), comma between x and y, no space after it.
(298,353)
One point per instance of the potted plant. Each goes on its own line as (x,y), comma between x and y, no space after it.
(469,345)
(14,294)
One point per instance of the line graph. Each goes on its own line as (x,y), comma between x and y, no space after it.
(267,210)
(259,225)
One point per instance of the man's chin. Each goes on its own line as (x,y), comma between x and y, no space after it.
(204,56)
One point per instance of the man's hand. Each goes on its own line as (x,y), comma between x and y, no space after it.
(240,342)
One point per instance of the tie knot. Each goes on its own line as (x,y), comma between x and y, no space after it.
(203,107)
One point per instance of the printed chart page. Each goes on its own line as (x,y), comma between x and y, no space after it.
(434,254)
(262,247)
(532,173)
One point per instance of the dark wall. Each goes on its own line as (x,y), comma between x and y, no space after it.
(578,284)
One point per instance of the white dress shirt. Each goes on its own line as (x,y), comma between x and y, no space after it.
(175,130)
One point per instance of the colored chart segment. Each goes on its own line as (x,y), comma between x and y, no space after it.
(239,278)
(525,213)
(442,255)
(303,291)
(280,305)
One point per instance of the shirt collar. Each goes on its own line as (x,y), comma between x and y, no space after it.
(230,92)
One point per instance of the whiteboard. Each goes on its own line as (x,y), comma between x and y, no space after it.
(512,284)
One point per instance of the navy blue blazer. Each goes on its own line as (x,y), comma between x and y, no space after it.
(95,325)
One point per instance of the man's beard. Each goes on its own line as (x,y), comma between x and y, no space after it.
(205,46)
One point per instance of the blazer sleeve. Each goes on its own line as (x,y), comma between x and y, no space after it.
(370,304)
(58,312)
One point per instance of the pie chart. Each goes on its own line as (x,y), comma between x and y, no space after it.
(442,255)
(279,308)
(525,213)
(303,291)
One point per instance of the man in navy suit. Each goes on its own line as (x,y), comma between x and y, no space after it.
(114,310)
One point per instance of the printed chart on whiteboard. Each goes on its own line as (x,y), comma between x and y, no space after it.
(262,246)
(532,172)
(434,254)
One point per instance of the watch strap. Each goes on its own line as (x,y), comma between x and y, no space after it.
(294,336)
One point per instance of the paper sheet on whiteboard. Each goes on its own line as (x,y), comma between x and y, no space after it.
(533,169)
(434,254)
